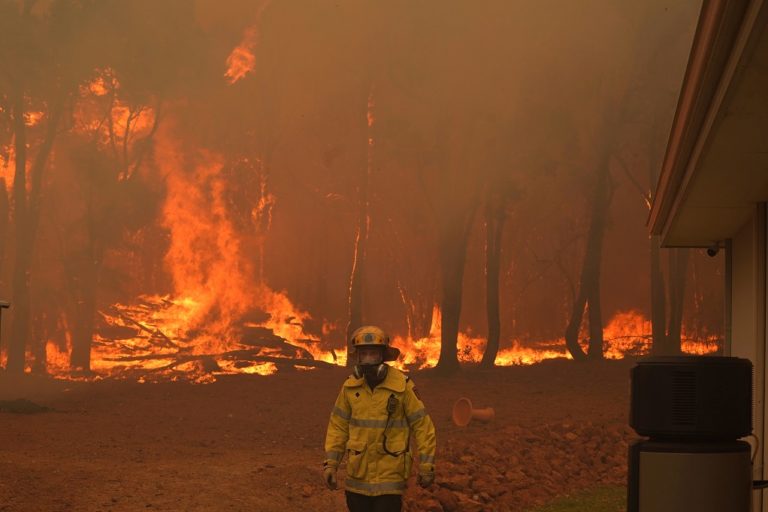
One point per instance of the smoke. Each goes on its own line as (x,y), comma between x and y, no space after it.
(214,151)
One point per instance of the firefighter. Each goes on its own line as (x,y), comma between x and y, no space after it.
(375,415)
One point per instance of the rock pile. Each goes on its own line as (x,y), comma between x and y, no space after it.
(514,469)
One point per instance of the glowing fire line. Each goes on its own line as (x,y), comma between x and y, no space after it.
(162,350)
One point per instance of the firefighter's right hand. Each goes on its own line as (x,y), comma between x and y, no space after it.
(329,475)
(426,479)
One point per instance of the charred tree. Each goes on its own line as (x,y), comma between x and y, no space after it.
(678,267)
(667,299)
(454,235)
(85,290)
(495,217)
(658,298)
(26,217)
(357,275)
(588,295)
(20,286)
(101,178)
(5,210)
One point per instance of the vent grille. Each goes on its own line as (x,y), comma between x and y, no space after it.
(684,398)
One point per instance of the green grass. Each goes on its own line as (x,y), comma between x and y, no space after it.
(603,499)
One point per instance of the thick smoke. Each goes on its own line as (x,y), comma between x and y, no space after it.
(224,151)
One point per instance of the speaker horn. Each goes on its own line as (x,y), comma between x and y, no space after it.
(463,413)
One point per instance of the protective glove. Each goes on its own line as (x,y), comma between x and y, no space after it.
(329,475)
(426,479)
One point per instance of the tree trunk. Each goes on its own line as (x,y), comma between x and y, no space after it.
(27,214)
(20,288)
(85,307)
(678,266)
(357,276)
(495,216)
(5,210)
(574,327)
(658,301)
(589,283)
(41,325)
(418,311)
(356,280)
(82,332)
(453,254)
(423,311)
(595,324)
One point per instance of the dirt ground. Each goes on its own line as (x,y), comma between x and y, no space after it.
(253,443)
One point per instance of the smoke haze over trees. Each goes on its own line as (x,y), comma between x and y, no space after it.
(217,149)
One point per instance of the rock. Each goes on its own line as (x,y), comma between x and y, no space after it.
(447,499)
(431,505)
(21,406)
(455,482)
(484,485)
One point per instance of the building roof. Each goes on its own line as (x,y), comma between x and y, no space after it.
(716,165)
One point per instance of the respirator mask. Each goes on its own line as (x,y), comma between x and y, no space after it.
(370,363)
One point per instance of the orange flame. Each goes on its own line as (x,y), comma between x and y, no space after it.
(7,165)
(199,331)
(627,333)
(110,120)
(33,118)
(241,59)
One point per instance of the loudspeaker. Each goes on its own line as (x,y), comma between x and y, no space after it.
(696,398)
(463,413)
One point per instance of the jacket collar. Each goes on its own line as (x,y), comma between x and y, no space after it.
(394,381)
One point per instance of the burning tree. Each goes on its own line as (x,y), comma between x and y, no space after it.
(43,66)
(206,189)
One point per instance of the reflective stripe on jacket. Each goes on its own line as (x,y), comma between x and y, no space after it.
(357,428)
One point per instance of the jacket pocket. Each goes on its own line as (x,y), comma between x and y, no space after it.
(356,459)
(397,467)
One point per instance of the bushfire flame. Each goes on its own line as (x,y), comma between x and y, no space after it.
(627,334)
(222,318)
(242,60)
(163,344)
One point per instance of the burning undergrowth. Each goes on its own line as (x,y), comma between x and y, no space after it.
(221,317)
(153,191)
(149,341)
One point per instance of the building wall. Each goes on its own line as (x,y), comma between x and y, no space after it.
(748,259)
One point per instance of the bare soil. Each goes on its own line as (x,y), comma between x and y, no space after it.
(253,443)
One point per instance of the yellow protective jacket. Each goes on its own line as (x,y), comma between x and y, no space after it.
(359,423)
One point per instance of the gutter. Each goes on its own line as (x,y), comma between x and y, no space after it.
(720,23)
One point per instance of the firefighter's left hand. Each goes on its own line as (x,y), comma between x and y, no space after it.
(426,479)
(329,475)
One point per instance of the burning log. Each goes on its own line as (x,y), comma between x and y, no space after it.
(155,333)
(117,332)
(258,336)
(253,356)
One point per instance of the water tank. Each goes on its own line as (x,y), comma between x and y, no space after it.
(696,477)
